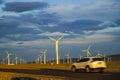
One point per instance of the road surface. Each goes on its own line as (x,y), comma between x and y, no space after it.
(68,74)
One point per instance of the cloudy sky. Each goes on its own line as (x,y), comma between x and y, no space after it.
(26,24)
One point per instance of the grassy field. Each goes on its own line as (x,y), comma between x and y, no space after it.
(38,66)
(21,76)
(112,66)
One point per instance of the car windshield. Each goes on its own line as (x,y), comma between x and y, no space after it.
(98,59)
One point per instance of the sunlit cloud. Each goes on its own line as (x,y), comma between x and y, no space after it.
(109,30)
(91,39)
(53,34)
(8,14)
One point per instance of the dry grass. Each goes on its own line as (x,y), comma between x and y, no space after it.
(37,66)
(12,76)
(112,66)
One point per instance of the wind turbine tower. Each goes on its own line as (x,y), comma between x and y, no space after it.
(44,53)
(40,59)
(56,43)
(16,60)
(20,60)
(87,51)
(68,58)
(8,57)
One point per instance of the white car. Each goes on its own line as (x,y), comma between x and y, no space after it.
(89,64)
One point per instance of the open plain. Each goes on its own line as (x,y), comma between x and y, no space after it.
(59,72)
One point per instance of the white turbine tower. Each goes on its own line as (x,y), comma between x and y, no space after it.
(20,60)
(37,59)
(44,53)
(56,43)
(3,61)
(68,58)
(104,57)
(40,59)
(87,51)
(16,60)
(8,57)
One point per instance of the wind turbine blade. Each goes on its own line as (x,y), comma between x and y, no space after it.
(60,37)
(84,50)
(89,53)
(89,47)
(52,38)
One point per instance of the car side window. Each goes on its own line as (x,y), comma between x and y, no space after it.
(84,60)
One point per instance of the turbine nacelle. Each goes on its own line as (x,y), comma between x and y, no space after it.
(56,39)
(42,52)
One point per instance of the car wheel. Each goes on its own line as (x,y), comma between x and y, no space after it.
(74,69)
(87,69)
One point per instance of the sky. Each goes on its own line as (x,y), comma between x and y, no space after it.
(26,24)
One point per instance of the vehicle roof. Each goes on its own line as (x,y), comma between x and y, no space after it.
(89,57)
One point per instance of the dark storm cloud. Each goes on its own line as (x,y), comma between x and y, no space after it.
(7,28)
(79,25)
(24,6)
(10,27)
(42,18)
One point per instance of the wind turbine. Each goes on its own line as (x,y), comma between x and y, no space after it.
(104,57)
(68,58)
(56,43)
(20,60)
(16,60)
(98,54)
(87,51)
(3,61)
(8,57)
(44,53)
(39,58)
